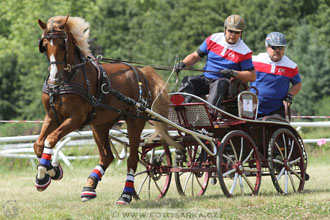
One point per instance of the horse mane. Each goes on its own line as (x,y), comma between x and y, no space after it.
(77,26)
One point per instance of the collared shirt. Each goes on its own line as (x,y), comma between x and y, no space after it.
(221,55)
(273,81)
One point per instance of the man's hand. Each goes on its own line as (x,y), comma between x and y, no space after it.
(178,67)
(226,73)
(288,98)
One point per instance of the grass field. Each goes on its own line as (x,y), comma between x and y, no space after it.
(20,200)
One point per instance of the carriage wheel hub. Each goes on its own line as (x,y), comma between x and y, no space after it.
(239,168)
(286,164)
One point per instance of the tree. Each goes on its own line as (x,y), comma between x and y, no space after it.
(313,65)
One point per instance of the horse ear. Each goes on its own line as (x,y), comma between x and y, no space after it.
(42,24)
(67,18)
(62,26)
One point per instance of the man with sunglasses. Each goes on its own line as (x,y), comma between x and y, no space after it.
(275,72)
(227,57)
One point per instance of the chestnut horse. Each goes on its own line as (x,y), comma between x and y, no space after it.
(79,91)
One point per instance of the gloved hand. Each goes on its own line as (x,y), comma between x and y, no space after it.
(178,67)
(228,73)
(288,98)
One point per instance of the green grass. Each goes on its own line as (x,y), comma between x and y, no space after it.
(62,198)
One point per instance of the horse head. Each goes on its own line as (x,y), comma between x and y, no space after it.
(60,37)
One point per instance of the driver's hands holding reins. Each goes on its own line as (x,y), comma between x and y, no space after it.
(178,67)
(288,98)
(227,73)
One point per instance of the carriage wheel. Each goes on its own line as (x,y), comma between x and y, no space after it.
(193,182)
(238,164)
(286,162)
(153,178)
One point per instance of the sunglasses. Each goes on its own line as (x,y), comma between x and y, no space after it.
(235,32)
(277,47)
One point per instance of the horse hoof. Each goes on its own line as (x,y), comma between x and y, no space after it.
(42,184)
(58,172)
(124,199)
(87,194)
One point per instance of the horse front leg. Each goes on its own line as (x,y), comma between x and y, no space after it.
(46,170)
(101,137)
(48,126)
(134,128)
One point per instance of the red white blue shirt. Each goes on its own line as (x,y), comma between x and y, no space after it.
(273,81)
(221,55)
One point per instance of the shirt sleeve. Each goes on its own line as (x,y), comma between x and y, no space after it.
(296,79)
(203,46)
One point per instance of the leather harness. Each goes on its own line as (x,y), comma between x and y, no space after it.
(103,87)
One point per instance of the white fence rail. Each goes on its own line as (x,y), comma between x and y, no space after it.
(16,147)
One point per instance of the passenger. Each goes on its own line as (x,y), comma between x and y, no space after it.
(275,72)
(227,56)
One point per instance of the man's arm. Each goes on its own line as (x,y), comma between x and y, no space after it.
(191,59)
(295,89)
(246,75)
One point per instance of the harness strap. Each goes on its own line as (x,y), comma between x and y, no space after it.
(103,87)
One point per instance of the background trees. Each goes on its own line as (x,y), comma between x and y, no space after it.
(154,32)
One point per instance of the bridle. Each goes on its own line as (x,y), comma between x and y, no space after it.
(61,35)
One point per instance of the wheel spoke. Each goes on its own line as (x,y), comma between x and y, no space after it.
(149,187)
(291,150)
(141,185)
(285,149)
(192,185)
(294,161)
(241,184)
(152,155)
(157,186)
(279,149)
(248,182)
(232,146)
(234,184)
(199,183)
(286,182)
(292,182)
(278,161)
(142,172)
(241,153)
(186,183)
(295,173)
(251,152)
(280,174)
(229,172)
(228,158)
(248,169)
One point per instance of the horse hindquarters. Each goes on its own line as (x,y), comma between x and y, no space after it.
(161,103)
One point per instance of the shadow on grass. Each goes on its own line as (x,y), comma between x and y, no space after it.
(177,203)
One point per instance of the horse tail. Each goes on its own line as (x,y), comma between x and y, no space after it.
(160,103)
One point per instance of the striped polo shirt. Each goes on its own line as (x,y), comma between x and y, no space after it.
(221,55)
(273,81)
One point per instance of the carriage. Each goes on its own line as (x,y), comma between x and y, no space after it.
(235,150)
(230,146)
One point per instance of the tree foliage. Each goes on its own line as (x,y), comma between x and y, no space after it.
(154,32)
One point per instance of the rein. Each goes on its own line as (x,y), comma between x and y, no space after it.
(155,66)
